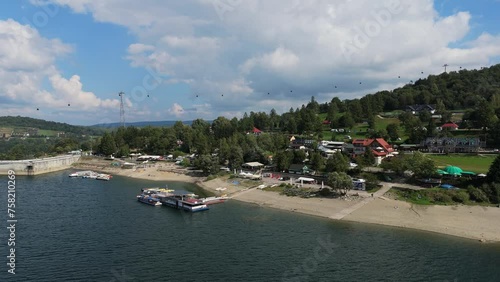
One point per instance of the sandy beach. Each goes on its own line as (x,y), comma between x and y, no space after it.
(472,222)
(159,172)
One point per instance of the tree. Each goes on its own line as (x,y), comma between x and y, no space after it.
(339,182)
(367,158)
(107,146)
(371,122)
(283,160)
(317,161)
(207,163)
(346,120)
(420,165)
(123,151)
(393,131)
(337,162)
(494,171)
(299,156)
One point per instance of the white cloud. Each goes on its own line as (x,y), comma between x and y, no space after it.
(176,111)
(27,60)
(246,49)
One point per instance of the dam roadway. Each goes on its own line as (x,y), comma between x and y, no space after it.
(38,166)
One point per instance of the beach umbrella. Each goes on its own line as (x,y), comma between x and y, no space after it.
(453,170)
(441,172)
(447,186)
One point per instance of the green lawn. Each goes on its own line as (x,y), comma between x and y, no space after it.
(48,133)
(382,123)
(360,129)
(478,164)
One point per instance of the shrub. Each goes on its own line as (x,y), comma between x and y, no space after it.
(325,192)
(477,194)
(461,197)
(211,177)
(442,197)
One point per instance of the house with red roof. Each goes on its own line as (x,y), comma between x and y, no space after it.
(379,147)
(449,126)
(256,131)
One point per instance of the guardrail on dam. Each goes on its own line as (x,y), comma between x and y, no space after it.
(38,166)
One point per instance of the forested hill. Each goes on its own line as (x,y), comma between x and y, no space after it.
(27,122)
(165,123)
(465,89)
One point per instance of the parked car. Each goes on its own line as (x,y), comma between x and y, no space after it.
(284,178)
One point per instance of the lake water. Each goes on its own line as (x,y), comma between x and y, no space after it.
(88,230)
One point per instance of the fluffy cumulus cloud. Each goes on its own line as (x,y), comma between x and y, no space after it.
(27,61)
(233,53)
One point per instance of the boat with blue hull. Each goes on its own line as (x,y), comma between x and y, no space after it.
(149,200)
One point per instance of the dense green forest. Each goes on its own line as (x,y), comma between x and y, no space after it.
(27,122)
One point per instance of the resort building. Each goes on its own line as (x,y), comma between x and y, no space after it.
(379,147)
(298,169)
(416,109)
(253,166)
(452,145)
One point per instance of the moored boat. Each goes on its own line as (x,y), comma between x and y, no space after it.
(103,176)
(214,200)
(149,200)
(80,173)
(183,201)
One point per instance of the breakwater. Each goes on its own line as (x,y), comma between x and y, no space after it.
(38,166)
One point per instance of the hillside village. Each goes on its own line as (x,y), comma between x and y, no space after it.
(432,116)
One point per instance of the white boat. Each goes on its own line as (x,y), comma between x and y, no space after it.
(103,176)
(91,175)
(80,173)
(214,200)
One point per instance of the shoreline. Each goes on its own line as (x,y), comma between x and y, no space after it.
(470,222)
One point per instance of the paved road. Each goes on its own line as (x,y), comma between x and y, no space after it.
(343,213)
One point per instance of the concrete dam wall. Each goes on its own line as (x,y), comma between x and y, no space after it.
(38,166)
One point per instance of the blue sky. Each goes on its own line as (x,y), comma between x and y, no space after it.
(209,58)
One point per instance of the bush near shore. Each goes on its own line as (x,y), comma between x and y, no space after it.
(440,196)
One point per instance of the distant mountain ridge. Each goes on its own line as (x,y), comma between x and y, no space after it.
(27,122)
(142,123)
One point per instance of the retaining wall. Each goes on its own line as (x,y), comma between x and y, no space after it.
(38,166)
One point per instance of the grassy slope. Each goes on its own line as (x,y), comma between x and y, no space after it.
(478,164)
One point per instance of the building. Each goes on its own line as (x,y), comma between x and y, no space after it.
(253,166)
(452,145)
(416,109)
(300,143)
(379,147)
(256,131)
(298,169)
(449,126)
